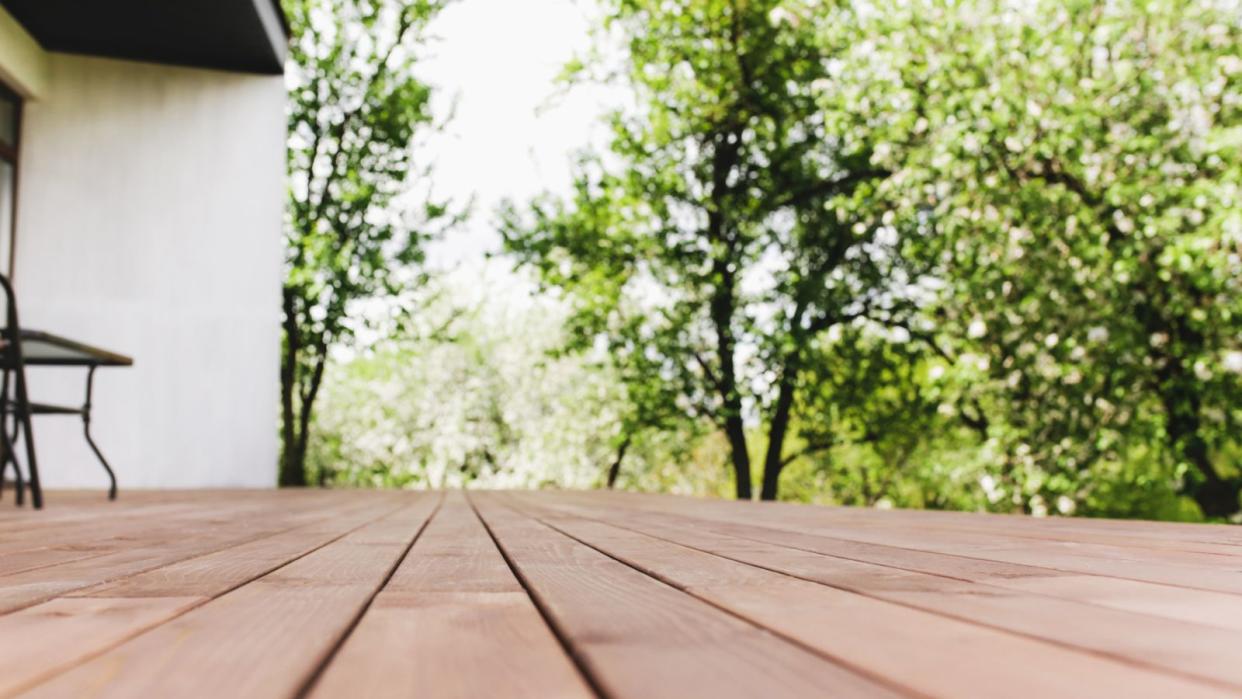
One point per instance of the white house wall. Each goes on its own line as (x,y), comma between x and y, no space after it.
(149,216)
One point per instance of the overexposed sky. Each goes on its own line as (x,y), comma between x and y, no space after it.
(514,130)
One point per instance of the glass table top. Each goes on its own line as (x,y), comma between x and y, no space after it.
(45,349)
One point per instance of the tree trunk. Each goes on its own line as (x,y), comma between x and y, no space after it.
(728,143)
(722,309)
(296,405)
(306,407)
(1217,497)
(736,432)
(292,472)
(615,469)
(734,426)
(774,460)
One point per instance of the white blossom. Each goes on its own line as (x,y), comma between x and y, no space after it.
(1066,505)
(1232,362)
(1202,372)
(977,329)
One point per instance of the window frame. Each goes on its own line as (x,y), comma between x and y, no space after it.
(11,154)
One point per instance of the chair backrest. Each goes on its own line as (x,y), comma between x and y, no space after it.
(10,335)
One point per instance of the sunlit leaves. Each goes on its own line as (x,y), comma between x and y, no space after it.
(351,233)
(733,221)
(1071,154)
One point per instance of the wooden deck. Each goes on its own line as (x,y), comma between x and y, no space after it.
(541,595)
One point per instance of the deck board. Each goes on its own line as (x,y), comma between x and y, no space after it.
(1220,573)
(1193,651)
(641,637)
(68,630)
(453,621)
(1194,605)
(576,595)
(266,638)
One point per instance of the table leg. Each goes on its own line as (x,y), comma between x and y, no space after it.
(86,429)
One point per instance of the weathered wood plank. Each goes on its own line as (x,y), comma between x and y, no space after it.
(1216,537)
(60,633)
(257,593)
(265,639)
(452,622)
(1197,606)
(215,573)
(1213,572)
(1142,535)
(32,548)
(1179,568)
(1188,650)
(81,521)
(150,547)
(641,638)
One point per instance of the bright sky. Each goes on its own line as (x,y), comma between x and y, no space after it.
(513,132)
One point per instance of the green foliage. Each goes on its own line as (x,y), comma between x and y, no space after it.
(352,232)
(975,255)
(475,394)
(728,227)
(1081,168)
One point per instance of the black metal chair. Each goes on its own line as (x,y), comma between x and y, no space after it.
(14,367)
(22,348)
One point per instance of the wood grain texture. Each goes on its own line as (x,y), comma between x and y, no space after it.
(1167,566)
(60,633)
(66,631)
(453,622)
(641,638)
(761,524)
(282,594)
(153,544)
(962,615)
(264,639)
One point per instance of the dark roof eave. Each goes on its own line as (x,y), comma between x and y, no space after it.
(249,36)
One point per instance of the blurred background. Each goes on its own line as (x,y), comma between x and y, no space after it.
(978,256)
(983,255)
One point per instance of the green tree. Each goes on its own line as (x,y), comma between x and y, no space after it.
(728,226)
(872,398)
(354,229)
(1081,162)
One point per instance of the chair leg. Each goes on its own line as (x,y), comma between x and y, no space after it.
(6,450)
(9,440)
(24,424)
(6,443)
(19,479)
(36,490)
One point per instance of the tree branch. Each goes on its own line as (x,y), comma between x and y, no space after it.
(830,187)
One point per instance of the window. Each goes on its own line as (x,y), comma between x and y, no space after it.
(10,127)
